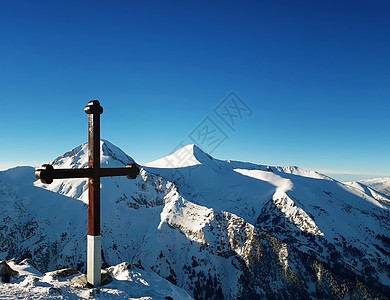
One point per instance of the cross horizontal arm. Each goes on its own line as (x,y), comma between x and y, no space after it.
(131,171)
(47,173)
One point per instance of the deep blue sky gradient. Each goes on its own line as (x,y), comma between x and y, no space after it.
(316,75)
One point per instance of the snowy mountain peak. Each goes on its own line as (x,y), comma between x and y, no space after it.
(200,154)
(187,156)
(110,156)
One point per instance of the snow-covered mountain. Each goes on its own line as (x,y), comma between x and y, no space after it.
(374,190)
(381,185)
(218,229)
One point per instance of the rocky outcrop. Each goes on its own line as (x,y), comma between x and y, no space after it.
(265,267)
(6,273)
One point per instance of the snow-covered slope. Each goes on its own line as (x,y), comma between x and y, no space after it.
(215,228)
(36,223)
(382,185)
(370,190)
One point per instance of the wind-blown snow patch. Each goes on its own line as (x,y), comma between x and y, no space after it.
(283,202)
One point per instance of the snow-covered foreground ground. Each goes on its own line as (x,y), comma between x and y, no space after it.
(126,282)
(217,229)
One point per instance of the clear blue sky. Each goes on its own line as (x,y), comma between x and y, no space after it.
(315,74)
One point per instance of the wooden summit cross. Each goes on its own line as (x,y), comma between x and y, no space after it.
(47,173)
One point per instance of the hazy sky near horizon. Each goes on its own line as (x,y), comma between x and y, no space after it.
(311,80)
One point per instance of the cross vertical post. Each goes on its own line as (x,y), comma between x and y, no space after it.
(94,239)
(47,174)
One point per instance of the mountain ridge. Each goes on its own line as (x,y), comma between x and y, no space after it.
(214,228)
(381,185)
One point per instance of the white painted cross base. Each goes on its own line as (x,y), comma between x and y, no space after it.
(94,259)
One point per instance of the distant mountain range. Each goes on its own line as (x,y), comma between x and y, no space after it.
(381,185)
(217,229)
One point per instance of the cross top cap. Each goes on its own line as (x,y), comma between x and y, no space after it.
(94,107)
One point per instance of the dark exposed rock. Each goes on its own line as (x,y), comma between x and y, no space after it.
(64,273)
(81,281)
(106,277)
(6,272)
